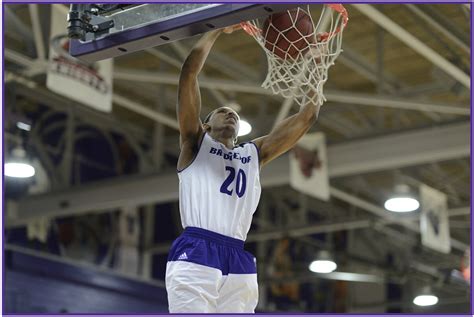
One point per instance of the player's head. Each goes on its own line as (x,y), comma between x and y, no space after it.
(223,119)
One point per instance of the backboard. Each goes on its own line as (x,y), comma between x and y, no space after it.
(105,31)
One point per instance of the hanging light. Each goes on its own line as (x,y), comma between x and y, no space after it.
(18,166)
(23,126)
(323,264)
(403,201)
(244,128)
(425,298)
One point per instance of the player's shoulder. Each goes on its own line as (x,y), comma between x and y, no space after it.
(249,146)
(243,144)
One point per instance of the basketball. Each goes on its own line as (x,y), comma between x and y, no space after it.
(288,33)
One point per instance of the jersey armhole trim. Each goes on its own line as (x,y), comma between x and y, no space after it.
(258,153)
(195,156)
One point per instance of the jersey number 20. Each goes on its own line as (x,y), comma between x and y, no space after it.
(240,182)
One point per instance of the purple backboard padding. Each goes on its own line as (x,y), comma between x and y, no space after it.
(176,28)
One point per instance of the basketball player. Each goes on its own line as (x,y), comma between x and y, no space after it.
(208,271)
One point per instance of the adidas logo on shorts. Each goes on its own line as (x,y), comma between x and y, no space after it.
(183,256)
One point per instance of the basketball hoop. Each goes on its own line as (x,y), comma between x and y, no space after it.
(301,73)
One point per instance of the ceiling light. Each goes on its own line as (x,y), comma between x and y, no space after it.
(19,170)
(403,200)
(323,263)
(244,128)
(402,204)
(23,126)
(426,298)
(322,266)
(18,166)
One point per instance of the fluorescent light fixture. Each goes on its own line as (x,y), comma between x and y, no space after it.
(322,266)
(402,204)
(425,300)
(19,170)
(244,128)
(23,126)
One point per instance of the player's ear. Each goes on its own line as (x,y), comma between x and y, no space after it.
(206,127)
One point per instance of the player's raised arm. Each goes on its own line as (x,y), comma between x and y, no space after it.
(286,133)
(189,97)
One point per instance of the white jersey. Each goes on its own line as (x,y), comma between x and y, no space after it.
(219,191)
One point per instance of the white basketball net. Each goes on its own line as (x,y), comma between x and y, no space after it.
(302,76)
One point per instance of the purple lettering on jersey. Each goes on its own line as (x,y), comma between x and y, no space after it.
(230,155)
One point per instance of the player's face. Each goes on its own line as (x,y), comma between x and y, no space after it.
(225,117)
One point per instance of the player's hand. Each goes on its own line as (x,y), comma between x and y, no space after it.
(232,28)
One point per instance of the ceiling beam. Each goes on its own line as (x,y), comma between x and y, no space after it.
(37,31)
(332,95)
(388,152)
(438,26)
(164,57)
(232,67)
(173,79)
(340,225)
(61,103)
(145,111)
(399,150)
(392,102)
(15,25)
(337,276)
(18,58)
(413,42)
(362,66)
(117,99)
(254,88)
(228,65)
(448,23)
